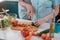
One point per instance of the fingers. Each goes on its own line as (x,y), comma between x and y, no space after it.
(30,12)
(29,15)
(30,18)
(37,23)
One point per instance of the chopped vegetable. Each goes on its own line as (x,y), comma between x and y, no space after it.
(25,32)
(43,36)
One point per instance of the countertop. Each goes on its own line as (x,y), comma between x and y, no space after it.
(16,35)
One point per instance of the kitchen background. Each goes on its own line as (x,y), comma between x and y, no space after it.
(11,5)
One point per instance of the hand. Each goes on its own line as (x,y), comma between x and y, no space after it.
(29,8)
(30,11)
(39,22)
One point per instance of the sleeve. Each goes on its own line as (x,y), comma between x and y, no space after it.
(22,11)
(55,2)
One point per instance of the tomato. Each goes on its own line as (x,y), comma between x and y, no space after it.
(22,25)
(48,38)
(19,25)
(15,23)
(25,32)
(28,37)
(43,36)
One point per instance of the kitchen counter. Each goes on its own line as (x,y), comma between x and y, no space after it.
(16,35)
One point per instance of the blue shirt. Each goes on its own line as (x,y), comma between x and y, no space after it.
(59,2)
(43,8)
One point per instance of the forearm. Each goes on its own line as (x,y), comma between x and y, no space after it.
(49,17)
(43,20)
(55,11)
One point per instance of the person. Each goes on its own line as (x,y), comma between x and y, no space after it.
(59,1)
(43,10)
(57,19)
(25,9)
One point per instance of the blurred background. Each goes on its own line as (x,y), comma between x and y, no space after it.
(11,5)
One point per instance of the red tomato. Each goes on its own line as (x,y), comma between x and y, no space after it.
(15,23)
(25,32)
(43,36)
(48,38)
(19,25)
(24,25)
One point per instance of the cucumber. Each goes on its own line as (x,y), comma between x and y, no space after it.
(45,31)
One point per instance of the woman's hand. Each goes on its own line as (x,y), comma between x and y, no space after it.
(37,23)
(29,7)
(30,11)
(40,22)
